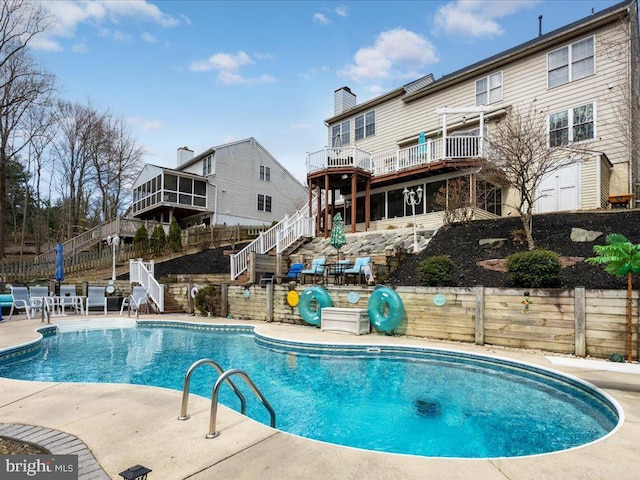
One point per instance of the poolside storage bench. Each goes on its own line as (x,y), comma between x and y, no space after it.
(349,320)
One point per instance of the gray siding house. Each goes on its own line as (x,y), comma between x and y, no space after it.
(581,79)
(239,183)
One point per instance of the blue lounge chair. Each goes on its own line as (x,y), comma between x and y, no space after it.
(316,269)
(294,272)
(359,265)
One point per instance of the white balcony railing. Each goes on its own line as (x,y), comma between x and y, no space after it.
(468,146)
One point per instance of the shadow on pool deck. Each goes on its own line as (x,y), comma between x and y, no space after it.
(124,425)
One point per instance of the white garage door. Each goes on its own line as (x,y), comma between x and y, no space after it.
(560,190)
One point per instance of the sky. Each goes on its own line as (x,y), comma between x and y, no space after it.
(205,73)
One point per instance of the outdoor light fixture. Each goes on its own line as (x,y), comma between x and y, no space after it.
(137,472)
(114,241)
(413,198)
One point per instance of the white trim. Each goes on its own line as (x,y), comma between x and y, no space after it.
(569,46)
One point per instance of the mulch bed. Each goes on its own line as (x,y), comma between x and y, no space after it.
(550,231)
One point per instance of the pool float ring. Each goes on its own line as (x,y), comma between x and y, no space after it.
(321,296)
(194,291)
(388,322)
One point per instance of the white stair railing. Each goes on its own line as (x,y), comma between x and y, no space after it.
(281,236)
(143,273)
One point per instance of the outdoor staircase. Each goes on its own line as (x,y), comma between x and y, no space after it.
(171,305)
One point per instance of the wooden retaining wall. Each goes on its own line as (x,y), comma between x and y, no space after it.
(573,321)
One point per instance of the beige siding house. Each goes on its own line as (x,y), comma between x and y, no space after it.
(239,183)
(579,79)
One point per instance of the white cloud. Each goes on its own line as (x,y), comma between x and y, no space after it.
(147,37)
(320,18)
(228,66)
(67,15)
(45,44)
(475,18)
(396,53)
(222,61)
(80,48)
(341,11)
(315,71)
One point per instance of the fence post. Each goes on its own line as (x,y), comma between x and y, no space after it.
(479,318)
(269,302)
(580,333)
(224,300)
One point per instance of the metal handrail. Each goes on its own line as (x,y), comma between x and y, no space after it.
(214,400)
(187,380)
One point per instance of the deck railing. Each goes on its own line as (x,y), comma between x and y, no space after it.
(71,248)
(281,236)
(468,146)
(143,273)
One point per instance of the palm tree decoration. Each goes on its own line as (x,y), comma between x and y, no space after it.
(622,258)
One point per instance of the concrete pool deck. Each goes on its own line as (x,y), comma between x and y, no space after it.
(125,425)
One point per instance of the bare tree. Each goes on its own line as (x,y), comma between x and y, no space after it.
(519,157)
(73,149)
(24,86)
(117,165)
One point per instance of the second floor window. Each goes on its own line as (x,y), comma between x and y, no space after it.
(264,203)
(341,134)
(572,125)
(489,89)
(265,173)
(208,166)
(365,125)
(570,63)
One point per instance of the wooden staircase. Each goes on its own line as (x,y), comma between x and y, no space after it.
(171,305)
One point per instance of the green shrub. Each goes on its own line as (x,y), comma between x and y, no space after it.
(435,271)
(158,240)
(534,269)
(206,299)
(174,239)
(141,241)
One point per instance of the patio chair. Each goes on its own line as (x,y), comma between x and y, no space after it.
(294,272)
(358,268)
(37,294)
(96,296)
(21,300)
(134,301)
(69,298)
(316,269)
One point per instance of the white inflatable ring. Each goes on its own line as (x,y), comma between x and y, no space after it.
(194,291)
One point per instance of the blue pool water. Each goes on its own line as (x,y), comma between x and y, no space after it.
(399,400)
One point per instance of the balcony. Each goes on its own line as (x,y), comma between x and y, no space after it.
(457,147)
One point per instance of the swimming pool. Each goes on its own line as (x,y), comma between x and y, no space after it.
(384,398)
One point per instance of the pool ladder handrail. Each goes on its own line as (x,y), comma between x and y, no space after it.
(187,380)
(214,399)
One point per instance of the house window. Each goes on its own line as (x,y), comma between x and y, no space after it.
(341,134)
(264,203)
(572,125)
(489,89)
(265,173)
(489,197)
(569,63)
(208,166)
(365,125)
